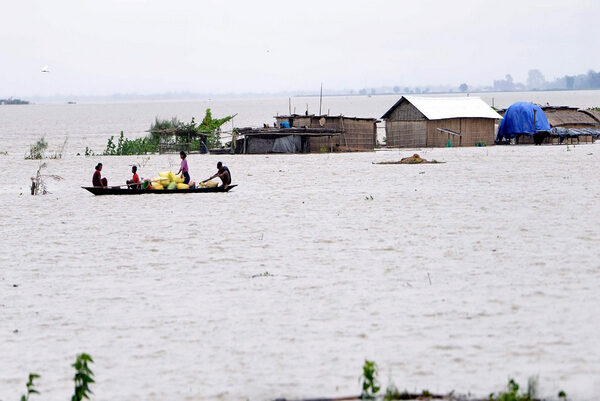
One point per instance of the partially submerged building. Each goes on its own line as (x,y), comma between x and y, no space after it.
(283,140)
(528,123)
(350,133)
(415,122)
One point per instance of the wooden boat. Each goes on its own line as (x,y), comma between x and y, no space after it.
(135,191)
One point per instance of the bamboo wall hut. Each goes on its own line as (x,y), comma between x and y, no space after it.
(352,133)
(415,122)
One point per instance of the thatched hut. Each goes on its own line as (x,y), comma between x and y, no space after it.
(569,117)
(351,133)
(594,113)
(565,125)
(415,122)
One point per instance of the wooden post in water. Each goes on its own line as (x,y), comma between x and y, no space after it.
(321,99)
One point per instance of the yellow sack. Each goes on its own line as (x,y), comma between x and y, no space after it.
(209,184)
(171,176)
(157,179)
(164,174)
(156,185)
(179,179)
(164,182)
(182,186)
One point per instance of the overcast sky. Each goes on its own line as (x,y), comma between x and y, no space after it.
(149,46)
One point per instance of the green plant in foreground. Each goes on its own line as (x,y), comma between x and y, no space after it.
(370,385)
(83,377)
(512,391)
(30,387)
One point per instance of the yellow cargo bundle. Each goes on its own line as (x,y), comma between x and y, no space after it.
(165,174)
(182,186)
(171,176)
(179,179)
(156,185)
(209,184)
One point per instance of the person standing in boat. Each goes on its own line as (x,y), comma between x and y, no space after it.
(184,168)
(135,180)
(223,173)
(97,179)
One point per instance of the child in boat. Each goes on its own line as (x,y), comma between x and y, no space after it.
(97,179)
(184,168)
(135,180)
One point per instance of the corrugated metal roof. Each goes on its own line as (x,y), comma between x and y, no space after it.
(439,108)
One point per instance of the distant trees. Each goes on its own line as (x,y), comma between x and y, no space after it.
(463,87)
(396,89)
(569,81)
(536,80)
(507,84)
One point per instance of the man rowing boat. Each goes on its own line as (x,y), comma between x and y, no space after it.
(223,173)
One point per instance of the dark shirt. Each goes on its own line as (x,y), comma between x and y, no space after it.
(97,179)
(228,174)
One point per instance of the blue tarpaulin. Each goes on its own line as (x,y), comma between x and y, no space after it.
(519,120)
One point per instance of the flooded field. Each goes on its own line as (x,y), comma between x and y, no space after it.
(451,276)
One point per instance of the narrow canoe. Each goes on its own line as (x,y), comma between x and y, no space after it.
(133,191)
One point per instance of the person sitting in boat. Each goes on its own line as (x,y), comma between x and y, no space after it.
(223,173)
(184,168)
(97,179)
(135,180)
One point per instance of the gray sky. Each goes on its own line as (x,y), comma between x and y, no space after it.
(148,46)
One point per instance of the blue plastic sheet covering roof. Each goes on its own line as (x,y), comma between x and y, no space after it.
(562,132)
(518,120)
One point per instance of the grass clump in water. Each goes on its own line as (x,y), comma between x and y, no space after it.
(512,391)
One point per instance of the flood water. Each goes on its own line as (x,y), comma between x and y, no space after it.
(450,276)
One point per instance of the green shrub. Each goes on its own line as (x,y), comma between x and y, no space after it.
(36,151)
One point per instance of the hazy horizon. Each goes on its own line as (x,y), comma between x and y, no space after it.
(152,47)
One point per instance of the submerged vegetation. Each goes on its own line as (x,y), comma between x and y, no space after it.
(82,379)
(369,381)
(370,385)
(169,133)
(30,387)
(37,151)
(38,182)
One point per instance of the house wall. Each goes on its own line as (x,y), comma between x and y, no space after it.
(358,134)
(406,112)
(473,130)
(259,145)
(406,134)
